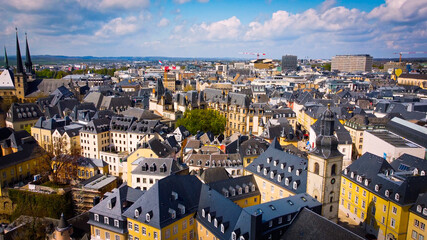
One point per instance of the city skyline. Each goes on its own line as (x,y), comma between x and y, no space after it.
(214,28)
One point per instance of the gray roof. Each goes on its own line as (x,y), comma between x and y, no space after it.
(242,182)
(97,126)
(159,201)
(373,170)
(23,112)
(140,114)
(309,225)
(279,163)
(156,166)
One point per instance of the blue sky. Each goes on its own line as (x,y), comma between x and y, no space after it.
(216,28)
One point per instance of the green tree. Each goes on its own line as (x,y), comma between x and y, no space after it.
(327,66)
(202,120)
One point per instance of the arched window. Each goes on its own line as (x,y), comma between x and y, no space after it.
(316,168)
(333,170)
(330,209)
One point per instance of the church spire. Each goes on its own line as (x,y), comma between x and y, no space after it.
(19,65)
(6,60)
(28,63)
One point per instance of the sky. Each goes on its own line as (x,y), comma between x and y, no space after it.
(216,28)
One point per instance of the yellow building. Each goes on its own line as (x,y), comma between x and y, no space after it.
(419,80)
(105,218)
(43,129)
(67,139)
(71,167)
(21,157)
(379,195)
(166,211)
(418,219)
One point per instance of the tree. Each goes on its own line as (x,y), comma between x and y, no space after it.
(327,66)
(60,161)
(203,120)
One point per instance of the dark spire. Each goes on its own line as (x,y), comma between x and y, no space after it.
(6,60)
(28,63)
(19,66)
(63,224)
(326,142)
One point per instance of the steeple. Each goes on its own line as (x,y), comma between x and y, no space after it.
(6,60)
(19,66)
(28,63)
(326,142)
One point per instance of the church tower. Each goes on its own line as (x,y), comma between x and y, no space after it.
(63,231)
(28,63)
(20,77)
(324,168)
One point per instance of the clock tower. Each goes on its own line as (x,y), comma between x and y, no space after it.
(324,168)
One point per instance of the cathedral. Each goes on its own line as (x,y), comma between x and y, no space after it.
(15,86)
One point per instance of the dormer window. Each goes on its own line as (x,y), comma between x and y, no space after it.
(359,178)
(265,171)
(241,238)
(387,193)
(172,213)
(366,182)
(233,236)
(298,172)
(352,174)
(209,217)
(425,211)
(136,213)
(174,195)
(377,188)
(225,191)
(269,160)
(282,165)
(397,196)
(246,189)
(215,223)
(258,168)
(279,178)
(416,171)
(287,181)
(204,213)
(110,205)
(295,185)
(239,190)
(272,174)
(253,188)
(147,217)
(345,171)
(419,208)
(423,173)
(233,192)
(181,208)
(275,162)
(222,228)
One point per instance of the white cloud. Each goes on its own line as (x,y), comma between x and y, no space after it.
(119,26)
(327,4)
(224,29)
(401,11)
(284,25)
(163,22)
(32,5)
(114,4)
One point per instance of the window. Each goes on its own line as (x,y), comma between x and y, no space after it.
(184,224)
(136,227)
(96,217)
(316,168)
(156,236)
(343,191)
(333,170)
(393,223)
(357,188)
(383,220)
(384,208)
(106,220)
(394,210)
(97,232)
(423,226)
(143,231)
(362,215)
(272,188)
(116,223)
(191,221)
(107,235)
(117,237)
(349,195)
(175,229)
(420,237)
(130,225)
(363,204)
(167,233)
(414,234)
(356,200)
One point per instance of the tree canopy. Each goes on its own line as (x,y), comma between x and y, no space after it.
(203,120)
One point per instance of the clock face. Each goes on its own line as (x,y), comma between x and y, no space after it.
(333,180)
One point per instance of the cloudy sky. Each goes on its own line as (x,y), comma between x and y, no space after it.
(216,28)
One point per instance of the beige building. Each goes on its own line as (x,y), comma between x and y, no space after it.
(44,128)
(95,137)
(419,80)
(68,139)
(352,63)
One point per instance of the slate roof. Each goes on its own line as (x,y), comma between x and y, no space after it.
(420,206)
(97,126)
(253,147)
(157,166)
(28,149)
(160,200)
(140,114)
(160,149)
(408,162)
(244,183)
(309,225)
(121,199)
(370,171)
(214,174)
(274,162)
(342,134)
(23,112)
(213,160)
